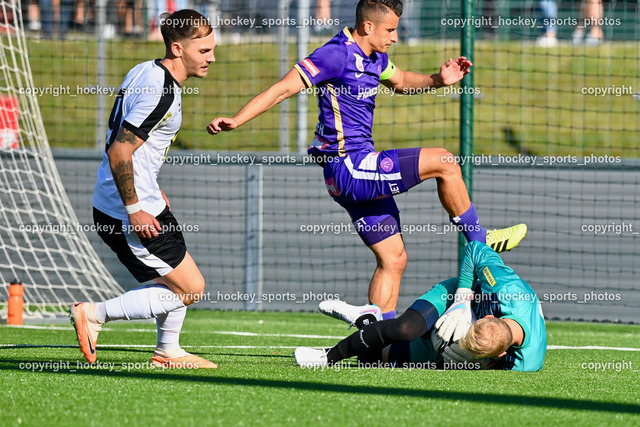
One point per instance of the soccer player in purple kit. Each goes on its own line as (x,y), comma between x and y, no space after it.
(347,72)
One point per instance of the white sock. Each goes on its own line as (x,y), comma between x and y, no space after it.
(169,326)
(145,302)
(100,313)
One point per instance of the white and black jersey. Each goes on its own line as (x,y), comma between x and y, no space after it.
(149,105)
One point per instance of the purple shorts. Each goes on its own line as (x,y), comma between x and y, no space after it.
(364,183)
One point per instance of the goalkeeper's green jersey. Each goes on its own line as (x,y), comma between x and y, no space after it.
(499,291)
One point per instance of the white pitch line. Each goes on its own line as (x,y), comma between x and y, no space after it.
(145,346)
(254,334)
(53,328)
(238,333)
(551,347)
(70,328)
(590,347)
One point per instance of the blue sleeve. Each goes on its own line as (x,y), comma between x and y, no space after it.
(441,295)
(517,301)
(476,254)
(325,63)
(520,303)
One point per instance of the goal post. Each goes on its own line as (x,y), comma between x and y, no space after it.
(42,243)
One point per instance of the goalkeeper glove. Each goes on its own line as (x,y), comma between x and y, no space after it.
(457,357)
(456,354)
(456,321)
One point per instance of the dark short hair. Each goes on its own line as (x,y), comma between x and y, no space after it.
(367,9)
(183,25)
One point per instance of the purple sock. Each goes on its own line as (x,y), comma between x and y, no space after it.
(389,315)
(469,224)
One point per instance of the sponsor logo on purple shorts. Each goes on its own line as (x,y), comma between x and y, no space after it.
(386,164)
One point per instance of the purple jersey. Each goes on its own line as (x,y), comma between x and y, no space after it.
(347,83)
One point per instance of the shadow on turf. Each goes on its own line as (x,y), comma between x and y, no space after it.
(508,399)
(202,354)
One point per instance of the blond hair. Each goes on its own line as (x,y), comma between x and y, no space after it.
(488,337)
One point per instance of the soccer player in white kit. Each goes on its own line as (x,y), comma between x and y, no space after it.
(131,213)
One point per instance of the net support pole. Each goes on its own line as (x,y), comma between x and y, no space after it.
(253,236)
(466,110)
(283,43)
(304,11)
(101,73)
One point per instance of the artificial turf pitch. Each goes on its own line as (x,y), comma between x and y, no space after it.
(45,381)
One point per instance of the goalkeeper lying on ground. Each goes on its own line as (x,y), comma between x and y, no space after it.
(510,332)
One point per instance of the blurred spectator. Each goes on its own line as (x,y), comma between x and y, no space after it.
(81,15)
(323,16)
(33,12)
(130,17)
(549,13)
(411,21)
(158,7)
(55,17)
(591,12)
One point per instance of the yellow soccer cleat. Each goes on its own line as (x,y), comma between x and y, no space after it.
(190,361)
(506,239)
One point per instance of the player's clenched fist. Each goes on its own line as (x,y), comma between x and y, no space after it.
(221,124)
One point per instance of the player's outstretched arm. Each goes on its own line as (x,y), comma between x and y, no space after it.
(121,161)
(455,322)
(450,73)
(291,84)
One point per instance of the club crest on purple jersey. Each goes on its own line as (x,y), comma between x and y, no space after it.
(359,60)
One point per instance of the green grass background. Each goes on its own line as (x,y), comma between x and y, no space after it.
(530,98)
(262,386)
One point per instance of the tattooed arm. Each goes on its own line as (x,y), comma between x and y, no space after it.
(121,160)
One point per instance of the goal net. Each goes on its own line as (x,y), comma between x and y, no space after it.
(42,244)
